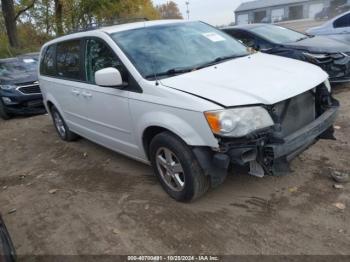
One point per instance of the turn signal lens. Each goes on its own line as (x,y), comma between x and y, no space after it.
(214,121)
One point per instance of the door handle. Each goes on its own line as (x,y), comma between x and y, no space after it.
(75,92)
(87,94)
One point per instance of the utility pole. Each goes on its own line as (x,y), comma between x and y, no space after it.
(188,9)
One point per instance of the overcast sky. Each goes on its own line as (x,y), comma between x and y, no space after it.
(215,12)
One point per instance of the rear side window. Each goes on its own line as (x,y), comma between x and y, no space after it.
(68,60)
(98,56)
(48,65)
(343,21)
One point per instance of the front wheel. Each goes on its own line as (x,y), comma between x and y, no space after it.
(177,168)
(61,126)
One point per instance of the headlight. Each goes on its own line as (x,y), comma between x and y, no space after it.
(316,56)
(238,122)
(328,85)
(8,87)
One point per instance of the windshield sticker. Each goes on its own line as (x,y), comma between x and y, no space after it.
(214,37)
(28,61)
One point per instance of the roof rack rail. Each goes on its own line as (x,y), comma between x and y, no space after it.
(118,21)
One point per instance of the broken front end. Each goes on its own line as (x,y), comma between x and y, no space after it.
(298,123)
(337,65)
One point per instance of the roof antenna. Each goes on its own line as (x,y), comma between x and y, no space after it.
(154,72)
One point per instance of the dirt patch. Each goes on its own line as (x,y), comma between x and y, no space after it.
(105,203)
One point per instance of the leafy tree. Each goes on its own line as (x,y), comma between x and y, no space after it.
(27,24)
(169,10)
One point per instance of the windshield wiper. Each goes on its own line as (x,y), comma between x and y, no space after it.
(183,70)
(170,72)
(219,60)
(302,38)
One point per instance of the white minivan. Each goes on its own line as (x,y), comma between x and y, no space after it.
(187,99)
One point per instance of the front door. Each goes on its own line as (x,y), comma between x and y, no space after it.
(104,111)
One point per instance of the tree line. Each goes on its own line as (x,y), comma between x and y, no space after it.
(26,24)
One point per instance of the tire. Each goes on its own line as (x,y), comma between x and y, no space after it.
(185,182)
(3,114)
(61,127)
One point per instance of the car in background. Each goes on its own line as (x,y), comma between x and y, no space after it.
(19,87)
(331,55)
(34,55)
(7,250)
(337,28)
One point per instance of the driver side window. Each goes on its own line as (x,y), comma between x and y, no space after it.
(99,56)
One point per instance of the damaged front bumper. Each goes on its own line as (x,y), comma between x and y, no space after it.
(337,66)
(267,151)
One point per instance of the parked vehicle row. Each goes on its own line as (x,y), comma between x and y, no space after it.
(20,93)
(186,98)
(331,55)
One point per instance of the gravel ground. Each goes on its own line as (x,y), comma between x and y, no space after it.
(79,198)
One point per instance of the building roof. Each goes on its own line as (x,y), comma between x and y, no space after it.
(265,3)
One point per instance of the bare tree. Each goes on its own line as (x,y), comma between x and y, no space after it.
(10,17)
(8,11)
(59,17)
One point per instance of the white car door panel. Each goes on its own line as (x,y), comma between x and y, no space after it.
(103,113)
(105,117)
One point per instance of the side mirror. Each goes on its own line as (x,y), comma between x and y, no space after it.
(109,77)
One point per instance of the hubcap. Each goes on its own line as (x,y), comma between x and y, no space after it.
(59,124)
(170,169)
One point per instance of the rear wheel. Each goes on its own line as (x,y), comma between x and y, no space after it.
(3,114)
(61,126)
(177,168)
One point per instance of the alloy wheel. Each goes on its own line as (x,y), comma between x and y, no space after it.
(170,169)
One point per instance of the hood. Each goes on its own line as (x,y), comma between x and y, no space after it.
(320,44)
(18,78)
(256,79)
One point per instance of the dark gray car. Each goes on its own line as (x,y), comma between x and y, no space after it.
(19,87)
(7,250)
(331,55)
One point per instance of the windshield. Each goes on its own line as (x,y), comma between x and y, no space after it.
(277,34)
(15,66)
(177,48)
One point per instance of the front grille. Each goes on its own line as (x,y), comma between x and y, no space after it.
(295,113)
(29,89)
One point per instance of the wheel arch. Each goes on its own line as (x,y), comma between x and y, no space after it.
(152,131)
(50,101)
(191,133)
